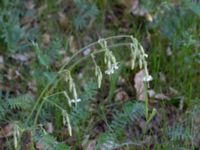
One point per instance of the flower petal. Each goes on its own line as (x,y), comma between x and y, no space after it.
(147,78)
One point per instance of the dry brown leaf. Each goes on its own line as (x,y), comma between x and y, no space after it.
(139,85)
(6,131)
(72,44)
(11,74)
(63,20)
(161,96)
(139,11)
(49,127)
(91,145)
(26,22)
(46,38)
(21,57)
(121,96)
(148,17)
(158,96)
(32,85)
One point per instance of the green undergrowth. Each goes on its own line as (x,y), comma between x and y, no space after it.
(171,41)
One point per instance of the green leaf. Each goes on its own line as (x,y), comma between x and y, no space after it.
(62,146)
(24,102)
(195,7)
(43,59)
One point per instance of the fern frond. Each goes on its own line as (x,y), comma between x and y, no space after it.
(90,90)
(49,142)
(179,133)
(78,116)
(24,102)
(130,112)
(86,14)
(80,113)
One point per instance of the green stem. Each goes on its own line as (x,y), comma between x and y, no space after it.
(77,62)
(56,105)
(62,68)
(146,101)
(41,105)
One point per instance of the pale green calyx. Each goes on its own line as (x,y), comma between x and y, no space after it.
(66,120)
(109,58)
(72,87)
(138,54)
(98,72)
(111,68)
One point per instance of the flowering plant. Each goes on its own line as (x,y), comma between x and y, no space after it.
(138,56)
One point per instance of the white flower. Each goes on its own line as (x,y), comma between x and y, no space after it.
(75,100)
(115,66)
(147,78)
(112,69)
(145,55)
(109,71)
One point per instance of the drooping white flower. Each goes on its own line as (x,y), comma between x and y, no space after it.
(109,71)
(147,78)
(75,100)
(115,66)
(112,68)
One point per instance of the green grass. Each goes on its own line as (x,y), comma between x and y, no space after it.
(100,117)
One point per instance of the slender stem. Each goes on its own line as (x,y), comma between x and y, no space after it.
(56,105)
(146,107)
(41,105)
(38,100)
(39,109)
(99,51)
(37,114)
(92,44)
(58,93)
(62,68)
(146,101)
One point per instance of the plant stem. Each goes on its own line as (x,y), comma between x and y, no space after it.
(39,99)
(146,101)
